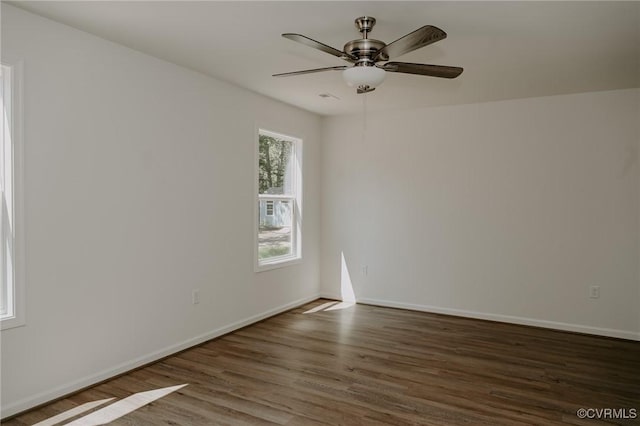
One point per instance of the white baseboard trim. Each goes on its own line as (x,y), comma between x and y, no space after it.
(68,388)
(330,296)
(608,332)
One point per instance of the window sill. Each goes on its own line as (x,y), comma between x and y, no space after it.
(278,263)
(11,322)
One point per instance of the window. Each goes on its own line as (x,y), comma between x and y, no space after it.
(279,199)
(11,309)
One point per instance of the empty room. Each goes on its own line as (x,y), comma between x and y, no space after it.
(320,213)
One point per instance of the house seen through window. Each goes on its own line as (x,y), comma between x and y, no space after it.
(279,201)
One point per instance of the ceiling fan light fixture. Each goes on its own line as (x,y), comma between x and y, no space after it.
(364,76)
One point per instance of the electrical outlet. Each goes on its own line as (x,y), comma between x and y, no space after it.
(195,297)
(594,292)
(365,270)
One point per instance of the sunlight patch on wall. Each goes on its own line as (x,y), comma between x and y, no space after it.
(346,288)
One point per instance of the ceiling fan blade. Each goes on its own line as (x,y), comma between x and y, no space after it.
(320,46)
(287,74)
(422,69)
(412,41)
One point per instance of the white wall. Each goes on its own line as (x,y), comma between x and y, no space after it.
(139,188)
(504,210)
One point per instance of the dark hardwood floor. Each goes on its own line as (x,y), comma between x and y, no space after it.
(367,365)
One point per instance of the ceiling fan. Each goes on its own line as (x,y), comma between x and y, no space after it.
(369,57)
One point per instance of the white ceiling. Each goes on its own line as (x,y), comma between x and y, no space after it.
(508,49)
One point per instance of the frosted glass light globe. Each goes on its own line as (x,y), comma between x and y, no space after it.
(364,76)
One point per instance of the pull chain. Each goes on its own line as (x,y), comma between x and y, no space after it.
(364,118)
(362,224)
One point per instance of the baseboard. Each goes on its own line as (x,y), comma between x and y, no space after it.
(69,388)
(577,328)
(330,296)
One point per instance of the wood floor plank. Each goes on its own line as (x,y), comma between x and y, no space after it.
(367,365)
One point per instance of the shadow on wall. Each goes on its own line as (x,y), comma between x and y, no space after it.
(346,292)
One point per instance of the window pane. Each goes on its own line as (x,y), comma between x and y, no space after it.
(274,232)
(7,278)
(4,291)
(275,172)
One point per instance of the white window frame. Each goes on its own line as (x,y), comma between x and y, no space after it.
(295,199)
(15,315)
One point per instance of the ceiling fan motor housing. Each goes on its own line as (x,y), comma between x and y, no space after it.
(365,50)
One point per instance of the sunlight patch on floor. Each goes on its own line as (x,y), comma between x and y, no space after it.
(319,308)
(123,407)
(58,418)
(341,305)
